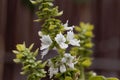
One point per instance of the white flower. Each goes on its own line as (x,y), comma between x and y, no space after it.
(46,42)
(44,52)
(52,71)
(74,42)
(50,63)
(60,39)
(71,39)
(63,60)
(69,57)
(66,26)
(62,68)
(71,65)
(68,60)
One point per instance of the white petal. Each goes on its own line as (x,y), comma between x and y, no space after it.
(62,68)
(71,65)
(66,26)
(44,52)
(46,42)
(51,74)
(55,70)
(69,28)
(70,35)
(63,45)
(67,55)
(63,60)
(50,63)
(55,48)
(74,42)
(43,46)
(52,71)
(69,60)
(60,39)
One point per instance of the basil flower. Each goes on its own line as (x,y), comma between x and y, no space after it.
(60,39)
(44,52)
(52,71)
(62,68)
(46,42)
(68,60)
(66,26)
(71,39)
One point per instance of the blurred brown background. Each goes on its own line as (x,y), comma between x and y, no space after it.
(16,26)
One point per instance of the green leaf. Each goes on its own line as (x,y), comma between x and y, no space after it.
(60,13)
(58,75)
(14,51)
(97,78)
(89,34)
(112,79)
(68,78)
(31,46)
(51,27)
(23,73)
(33,2)
(36,52)
(19,56)
(16,60)
(20,47)
(26,67)
(88,45)
(37,20)
(43,65)
(87,62)
(77,28)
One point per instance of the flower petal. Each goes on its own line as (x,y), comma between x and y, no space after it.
(50,63)
(44,52)
(72,41)
(52,71)
(60,39)
(75,42)
(67,55)
(63,60)
(63,45)
(68,59)
(62,68)
(66,26)
(46,42)
(70,35)
(71,65)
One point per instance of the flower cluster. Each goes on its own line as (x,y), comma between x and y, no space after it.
(60,39)
(66,62)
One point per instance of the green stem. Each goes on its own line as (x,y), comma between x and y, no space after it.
(82,77)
